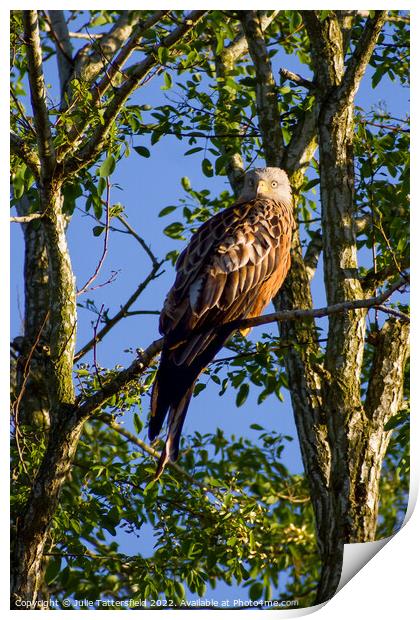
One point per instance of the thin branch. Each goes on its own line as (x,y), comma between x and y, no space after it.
(393,312)
(297,79)
(343,306)
(23,118)
(142,242)
(115,66)
(373,279)
(93,146)
(146,448)
(95,362)
(86,406)
(266,96)
(25,219)
(122,313)
(312,254)
(359,60)
(105,246)
(38,92)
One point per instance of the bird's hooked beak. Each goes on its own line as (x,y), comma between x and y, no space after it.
(262,188)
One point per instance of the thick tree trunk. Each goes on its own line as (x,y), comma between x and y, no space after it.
(57,387)
(30,389)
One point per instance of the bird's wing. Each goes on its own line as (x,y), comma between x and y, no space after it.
(219,271)
(229,270)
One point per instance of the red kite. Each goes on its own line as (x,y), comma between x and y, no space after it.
(233,266)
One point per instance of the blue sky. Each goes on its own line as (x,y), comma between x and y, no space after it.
(149,185)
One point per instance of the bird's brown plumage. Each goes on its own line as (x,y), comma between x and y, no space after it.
(233,266)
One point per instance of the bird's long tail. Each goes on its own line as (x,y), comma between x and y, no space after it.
(177,415)
(178,371)
(172,391)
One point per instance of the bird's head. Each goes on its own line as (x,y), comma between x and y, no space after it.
(271,183)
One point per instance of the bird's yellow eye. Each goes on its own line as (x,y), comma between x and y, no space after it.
(274,183)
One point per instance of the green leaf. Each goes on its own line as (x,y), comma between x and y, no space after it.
(138,424)
(166,211)
(149,486)
(255,591)
(199,387)
(242,394)
(53,569)
(163,55)
(207,167)
(174,230)
(323,15)
(142,151)
(196,149)
(256,427)
(98,230)
(167,81)
(107,167)
(311,184)
(186,183)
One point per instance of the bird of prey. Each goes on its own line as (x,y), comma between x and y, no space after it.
(232,267)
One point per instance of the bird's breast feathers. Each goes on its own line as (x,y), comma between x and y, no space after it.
(228,258)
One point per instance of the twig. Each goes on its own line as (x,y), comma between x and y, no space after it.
(397,313)
(109,281)
(139,239)
(146,448)
(95,329)
(105,247)
(120,314)
(25,219)
(23,118)
(343,306)
(297,79)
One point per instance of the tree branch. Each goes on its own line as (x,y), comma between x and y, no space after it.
(60,34)
(359,60)
(240,44)
(25,219)
(38,92)
(123,312)
(90,60)
(93,277)
(266,96)
(147,448)
(225,63)
(312,254)
(115,65)
(86,406)
(297,79)
(155,263)
(90,150)
(343,306)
